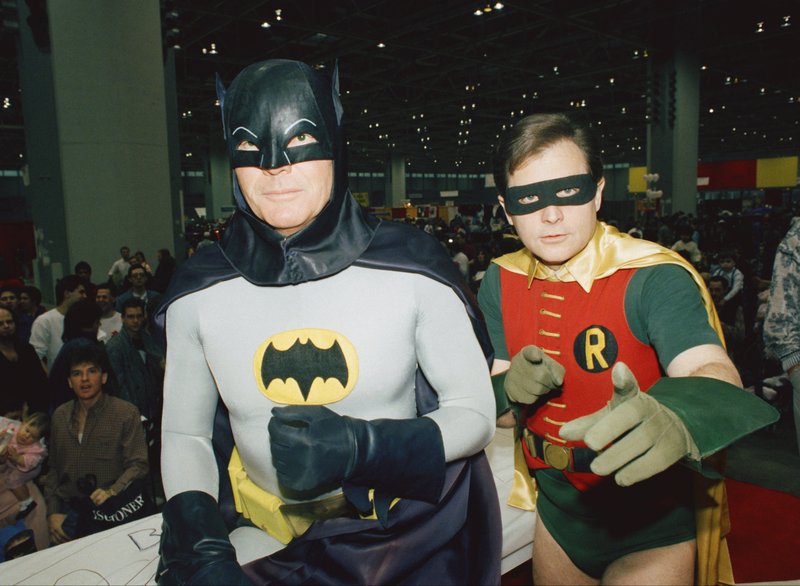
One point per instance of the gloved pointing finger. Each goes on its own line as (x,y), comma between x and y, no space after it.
(648,437)
(532,374)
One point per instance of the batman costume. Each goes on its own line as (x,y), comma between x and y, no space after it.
(351,366)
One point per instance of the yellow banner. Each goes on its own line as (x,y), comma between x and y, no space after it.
(636,182)
(362,197)
(777,172)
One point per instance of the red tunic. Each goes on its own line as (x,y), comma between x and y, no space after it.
(587,333)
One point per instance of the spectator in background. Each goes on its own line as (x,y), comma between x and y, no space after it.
(30,301)
(164,271)
(48,328)
(9,297)
(206,240)
(29,307)
(726,268)
(84,270)
(81,329)
(95,437)
(478,268)
(137,276)
(22,457)
(110,318)
(459,257)
(686,245)
(24,381)
(730,314)
(664,234)
(782,324)
(119,269)
(137,361)
(140,260)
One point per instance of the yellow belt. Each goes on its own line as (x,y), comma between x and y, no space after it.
(284,521)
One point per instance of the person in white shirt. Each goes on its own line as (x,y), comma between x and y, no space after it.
(119,270)
(110,318)
(48,328)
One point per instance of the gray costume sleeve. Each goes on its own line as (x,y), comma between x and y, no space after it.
(451,358)
(190,401)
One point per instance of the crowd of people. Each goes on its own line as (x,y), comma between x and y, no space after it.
(81,406)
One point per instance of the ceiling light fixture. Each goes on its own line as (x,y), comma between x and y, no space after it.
(265,24)
(278,14)
(760,27)
(381,46)
(786,21)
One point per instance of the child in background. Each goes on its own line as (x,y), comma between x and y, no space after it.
(22,456)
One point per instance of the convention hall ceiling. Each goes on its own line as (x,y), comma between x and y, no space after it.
(436,80)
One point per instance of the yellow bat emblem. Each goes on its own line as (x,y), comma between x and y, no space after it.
(306,367)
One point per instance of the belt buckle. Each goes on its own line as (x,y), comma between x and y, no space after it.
(555,456)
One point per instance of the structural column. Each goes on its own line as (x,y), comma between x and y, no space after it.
(396,181)
(96,134)
(673,128)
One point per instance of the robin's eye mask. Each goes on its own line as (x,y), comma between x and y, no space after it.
(564,191)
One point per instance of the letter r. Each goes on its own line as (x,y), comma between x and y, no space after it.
(595,343)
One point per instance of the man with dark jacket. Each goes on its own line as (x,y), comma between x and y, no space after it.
(137,361)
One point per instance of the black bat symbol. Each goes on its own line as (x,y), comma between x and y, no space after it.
(304,362)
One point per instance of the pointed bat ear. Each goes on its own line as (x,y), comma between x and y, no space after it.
(221,97)
(337,102)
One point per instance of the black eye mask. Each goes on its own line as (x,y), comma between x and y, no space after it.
(546,193)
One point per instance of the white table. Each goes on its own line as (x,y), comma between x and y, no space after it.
(129,554)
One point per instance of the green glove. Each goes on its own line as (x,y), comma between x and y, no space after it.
(531,375)
(654,437)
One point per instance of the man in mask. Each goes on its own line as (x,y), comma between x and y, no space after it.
(345,395)
(609,348)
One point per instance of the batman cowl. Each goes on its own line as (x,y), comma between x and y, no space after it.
(267,104)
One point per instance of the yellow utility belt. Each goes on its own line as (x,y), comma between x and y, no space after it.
(284,521)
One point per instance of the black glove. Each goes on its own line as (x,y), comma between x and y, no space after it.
(314,450)
(195,548)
